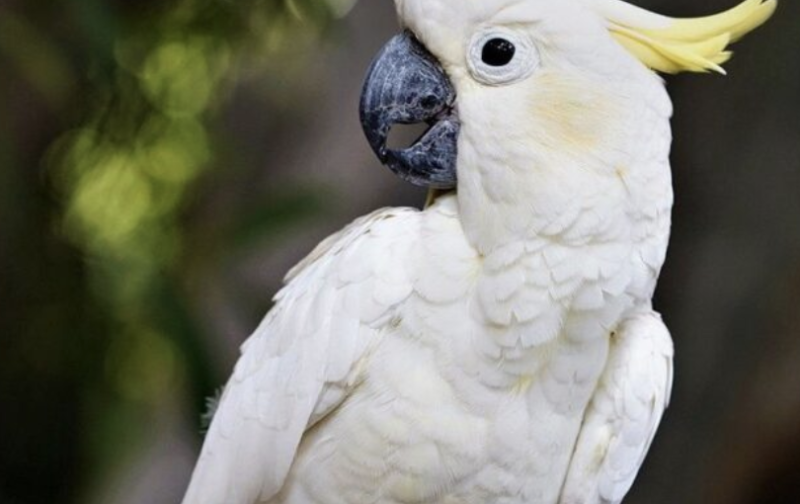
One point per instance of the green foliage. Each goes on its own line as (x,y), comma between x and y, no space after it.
(135,93)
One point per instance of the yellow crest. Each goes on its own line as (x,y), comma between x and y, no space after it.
(673,45)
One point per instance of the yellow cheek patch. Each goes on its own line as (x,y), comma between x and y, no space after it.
(673,45)
(571,114)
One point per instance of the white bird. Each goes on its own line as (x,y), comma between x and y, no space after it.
(500,345)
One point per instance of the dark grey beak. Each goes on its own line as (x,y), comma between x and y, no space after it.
(406,85)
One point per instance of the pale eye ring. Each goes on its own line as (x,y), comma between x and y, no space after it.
(501,56)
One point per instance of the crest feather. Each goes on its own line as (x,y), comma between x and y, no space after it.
(672,45)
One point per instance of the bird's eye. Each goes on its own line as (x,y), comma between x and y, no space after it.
(501,56)
(498,52)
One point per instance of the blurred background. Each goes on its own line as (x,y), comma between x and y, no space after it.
(164,163)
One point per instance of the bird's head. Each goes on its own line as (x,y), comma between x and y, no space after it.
(536,102)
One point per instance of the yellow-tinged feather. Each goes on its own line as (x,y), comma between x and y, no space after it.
(672,45)
(736,22)
(674,57)
(572,114)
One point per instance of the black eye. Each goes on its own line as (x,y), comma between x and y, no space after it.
(498,52)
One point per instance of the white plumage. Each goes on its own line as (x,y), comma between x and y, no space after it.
(436,401)
(500,345)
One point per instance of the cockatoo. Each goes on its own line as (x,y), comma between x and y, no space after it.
(499,346)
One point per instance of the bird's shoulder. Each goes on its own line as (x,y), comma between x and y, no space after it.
(303,359)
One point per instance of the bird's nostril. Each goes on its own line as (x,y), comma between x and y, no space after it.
(429,102)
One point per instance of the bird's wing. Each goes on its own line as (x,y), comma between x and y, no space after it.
(623,415)
(304,357)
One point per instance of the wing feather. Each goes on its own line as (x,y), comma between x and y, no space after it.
(624,414)
(300,362)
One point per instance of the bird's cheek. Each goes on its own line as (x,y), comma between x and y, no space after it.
(572,116)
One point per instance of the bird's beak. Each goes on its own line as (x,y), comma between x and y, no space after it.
(407,85)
